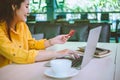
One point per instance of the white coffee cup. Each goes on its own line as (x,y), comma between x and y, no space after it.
(61,67)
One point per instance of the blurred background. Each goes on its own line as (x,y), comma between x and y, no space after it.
(94,11)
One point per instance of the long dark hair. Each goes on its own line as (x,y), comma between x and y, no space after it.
(7,13)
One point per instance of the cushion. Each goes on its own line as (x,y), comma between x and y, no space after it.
(38,36)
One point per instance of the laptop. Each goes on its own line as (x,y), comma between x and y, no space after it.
(90,48)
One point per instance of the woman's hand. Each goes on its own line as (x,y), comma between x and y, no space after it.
(60,39)
(67,52)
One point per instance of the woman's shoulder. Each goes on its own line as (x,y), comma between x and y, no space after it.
(2,23)
(2,26)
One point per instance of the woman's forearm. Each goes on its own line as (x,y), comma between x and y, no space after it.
(46,55)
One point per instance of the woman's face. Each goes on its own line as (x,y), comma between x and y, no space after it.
(22,13)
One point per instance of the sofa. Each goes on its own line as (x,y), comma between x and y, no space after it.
(52,29)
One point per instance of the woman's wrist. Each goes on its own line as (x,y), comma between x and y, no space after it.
(50,42)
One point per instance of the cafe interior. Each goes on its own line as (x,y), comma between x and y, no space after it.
(49,18)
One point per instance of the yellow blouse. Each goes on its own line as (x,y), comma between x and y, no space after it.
(22,49)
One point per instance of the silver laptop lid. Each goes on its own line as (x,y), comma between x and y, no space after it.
(91,45)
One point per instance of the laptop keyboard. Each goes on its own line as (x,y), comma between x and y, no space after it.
(77,62)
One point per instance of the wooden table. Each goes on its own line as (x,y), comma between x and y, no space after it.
(97,68)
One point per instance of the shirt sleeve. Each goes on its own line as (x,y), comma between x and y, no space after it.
(37,44)
(34,44)
(9,50)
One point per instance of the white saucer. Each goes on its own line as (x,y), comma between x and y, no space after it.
(50,73)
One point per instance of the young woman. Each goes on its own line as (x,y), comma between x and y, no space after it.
(16,43)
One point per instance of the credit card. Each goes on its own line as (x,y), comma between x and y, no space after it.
(71,33)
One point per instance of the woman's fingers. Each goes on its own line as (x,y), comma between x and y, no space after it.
(66,37)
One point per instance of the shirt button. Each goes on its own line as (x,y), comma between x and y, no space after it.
(19,46)
(33,44)
(14,54)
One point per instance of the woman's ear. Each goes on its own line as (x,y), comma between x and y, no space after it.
(14,7)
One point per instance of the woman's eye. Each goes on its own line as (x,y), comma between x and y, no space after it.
(26,6)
